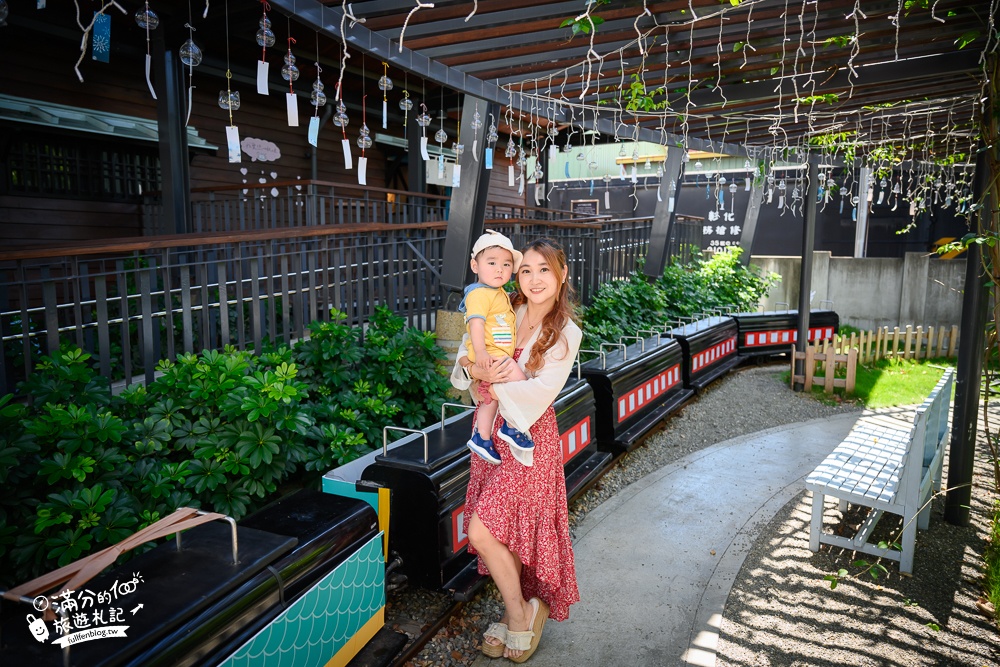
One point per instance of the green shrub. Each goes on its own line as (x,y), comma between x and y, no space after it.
(624,307)
(226,430)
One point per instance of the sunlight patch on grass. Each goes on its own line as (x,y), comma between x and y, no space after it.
(891,382)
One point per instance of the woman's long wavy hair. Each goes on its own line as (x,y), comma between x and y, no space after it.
(562,312)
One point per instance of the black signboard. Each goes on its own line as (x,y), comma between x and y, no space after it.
(587,208)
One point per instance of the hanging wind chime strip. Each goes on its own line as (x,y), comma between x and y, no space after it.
(423,120)
(364,143)
(348,159)
(147,19)
(100,38)
(318,99)
(385,85)
(290,73)
(265,38)
(233,143)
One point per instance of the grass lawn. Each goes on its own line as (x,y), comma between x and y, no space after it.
(890,382)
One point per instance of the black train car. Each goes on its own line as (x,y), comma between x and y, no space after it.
(709,347)
(635,387)
(428,488)
(765,334)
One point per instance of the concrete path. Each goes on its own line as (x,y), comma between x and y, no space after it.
(656,563)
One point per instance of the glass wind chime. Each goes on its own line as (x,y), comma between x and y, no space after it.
(191,56)
(147,19)
(229,100)
(265,39)
(318,99)
(364,141)
(423,120)
(492,137)
(290,73)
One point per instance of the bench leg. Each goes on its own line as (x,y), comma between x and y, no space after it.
(816,525)
(908,542)
(924,518)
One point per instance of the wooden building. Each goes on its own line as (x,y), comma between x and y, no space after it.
(84,160)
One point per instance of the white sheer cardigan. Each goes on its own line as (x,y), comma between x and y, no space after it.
(523,402)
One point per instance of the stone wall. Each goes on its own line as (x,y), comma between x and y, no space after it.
(874,292)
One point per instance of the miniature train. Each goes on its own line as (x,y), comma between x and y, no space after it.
(303,581)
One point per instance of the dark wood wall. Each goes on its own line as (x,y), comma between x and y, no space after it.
(119,87)
(39,49)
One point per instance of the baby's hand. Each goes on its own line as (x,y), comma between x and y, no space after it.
(484,361)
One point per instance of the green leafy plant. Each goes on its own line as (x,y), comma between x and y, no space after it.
(585,23)
(227,430)
(621,308)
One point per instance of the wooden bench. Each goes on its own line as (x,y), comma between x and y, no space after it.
(887,464)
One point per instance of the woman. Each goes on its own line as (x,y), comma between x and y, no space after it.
(516,517)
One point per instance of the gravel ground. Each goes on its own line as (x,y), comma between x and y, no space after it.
(780,611)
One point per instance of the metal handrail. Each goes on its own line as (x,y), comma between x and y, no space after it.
(621,345)
(385,438)
(604,360)
(463,406)
(653,332)
(642,341)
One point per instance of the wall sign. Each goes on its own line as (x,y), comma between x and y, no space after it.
(584,207)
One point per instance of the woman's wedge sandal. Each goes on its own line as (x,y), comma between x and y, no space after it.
(527,641)
(495,631)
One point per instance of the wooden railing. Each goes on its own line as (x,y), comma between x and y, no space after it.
(131,302)
(299,203)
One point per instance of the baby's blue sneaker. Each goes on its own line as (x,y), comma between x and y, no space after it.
(483,448)
(514,438)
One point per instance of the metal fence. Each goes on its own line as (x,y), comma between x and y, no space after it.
(132,302)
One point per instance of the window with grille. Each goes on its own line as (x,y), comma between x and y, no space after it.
(64,166)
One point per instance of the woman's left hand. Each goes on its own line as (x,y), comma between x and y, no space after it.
(500,371)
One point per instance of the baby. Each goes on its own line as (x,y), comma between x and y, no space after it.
(489,320)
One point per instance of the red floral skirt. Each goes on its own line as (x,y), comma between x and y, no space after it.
(526,509)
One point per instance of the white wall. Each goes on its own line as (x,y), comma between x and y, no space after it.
(873,292)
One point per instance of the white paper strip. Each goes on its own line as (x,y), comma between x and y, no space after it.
(292,106)
(510,175)
(489,158)
(385,114)
(423,149)
(770,196)
(456,177)
(670,203)
(781,201)
(187,119)
(233,141)
(520,184)
(475,150)
(658,197)
(607,200)
(621,172)
(440,166)
(348,160)
(149,82)
(553,152)
(314,131)
(538,195)
(262,77)
(746,186)
(362,170)
(635,175)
